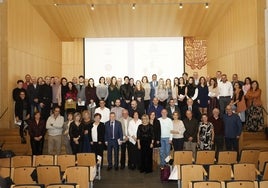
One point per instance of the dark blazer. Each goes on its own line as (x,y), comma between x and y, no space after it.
(21,105)
(157,110)
(170,115)
(118,133)
(32,92)
(100,132)
(195,111)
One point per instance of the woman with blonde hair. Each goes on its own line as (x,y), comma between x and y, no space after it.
(76,132)
(161,93)
(145,140)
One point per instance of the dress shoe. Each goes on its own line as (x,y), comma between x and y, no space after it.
(122,167)
(109,168)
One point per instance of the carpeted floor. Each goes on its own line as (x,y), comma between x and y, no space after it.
(128,178)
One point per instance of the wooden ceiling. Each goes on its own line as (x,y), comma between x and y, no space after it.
(115,18)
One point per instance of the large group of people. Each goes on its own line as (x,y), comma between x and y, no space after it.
(137,117)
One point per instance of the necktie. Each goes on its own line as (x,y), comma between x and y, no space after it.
(112,129)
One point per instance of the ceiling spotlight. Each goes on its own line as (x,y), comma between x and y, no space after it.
(55,4)
(206,5)
(181,6)
(92,7)
(133,6)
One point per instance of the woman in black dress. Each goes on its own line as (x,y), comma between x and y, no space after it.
(157,136)
(145,140)
(76,132)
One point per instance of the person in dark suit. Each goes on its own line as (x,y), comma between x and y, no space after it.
(172,108)
(32,91)
(22,113)
(193,108)
(96,136)
(45,98)
(153,85)
(113,138)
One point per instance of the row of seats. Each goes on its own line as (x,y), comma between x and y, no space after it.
(48,169)
(221,173)
(228,184)
(256,157)
(49,186)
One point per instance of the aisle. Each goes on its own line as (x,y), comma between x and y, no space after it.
(131,179)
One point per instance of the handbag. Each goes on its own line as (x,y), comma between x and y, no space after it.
(70,104)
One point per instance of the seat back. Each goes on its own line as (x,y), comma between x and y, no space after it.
(240,184)
(27,186)
(265,172)
(205,157)
(263,157)
(191,173)
(220,172)
(183,157)
(39,160)
(245,171)
(5,172)
(250,156)
(78,175)
(21,161)
(227,157)
(263,184)
(62,186)
(65,161)
(48,174)
(206,184)
(86,159)
(5,162)
(23,175)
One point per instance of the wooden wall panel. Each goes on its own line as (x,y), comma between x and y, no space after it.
(33,47)
(236,44)
(72,58)
(3,65)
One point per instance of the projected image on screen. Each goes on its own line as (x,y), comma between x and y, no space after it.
(134,57)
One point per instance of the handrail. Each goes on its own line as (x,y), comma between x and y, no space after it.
(4,113)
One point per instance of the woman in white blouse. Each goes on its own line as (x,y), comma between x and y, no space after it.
(177,132)
(133,150)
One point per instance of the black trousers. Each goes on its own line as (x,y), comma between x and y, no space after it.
(146,156)
(37,146)
(134,156)
(98,150)
(124,149)
(178,144)
(76,148)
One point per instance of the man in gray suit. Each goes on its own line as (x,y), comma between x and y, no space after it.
(81,94)
(125,119)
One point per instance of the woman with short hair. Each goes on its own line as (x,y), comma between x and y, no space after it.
(145,140)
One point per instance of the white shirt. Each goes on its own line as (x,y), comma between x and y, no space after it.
(179,126)
(94,133)
(132,129)
(225,89)
(54,125)
(166,126)
(105,114)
